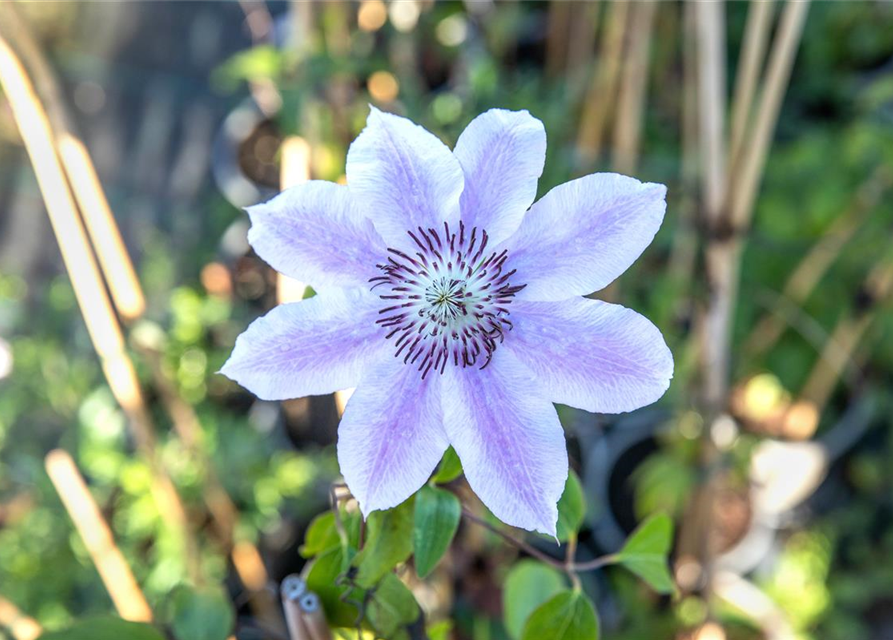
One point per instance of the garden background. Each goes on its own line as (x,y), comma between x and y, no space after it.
(770,122)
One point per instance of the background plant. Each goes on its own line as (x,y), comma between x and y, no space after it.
(823,194)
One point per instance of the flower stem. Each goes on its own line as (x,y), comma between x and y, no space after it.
(569,567)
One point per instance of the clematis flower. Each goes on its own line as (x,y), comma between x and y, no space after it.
(457,313)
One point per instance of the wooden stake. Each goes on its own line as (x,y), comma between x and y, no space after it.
(633,89)
(21,626)
(603,91)
(114,260)
(756,35)
(753,156)
(711,29)
(295,169)
(119,581)
(86,280)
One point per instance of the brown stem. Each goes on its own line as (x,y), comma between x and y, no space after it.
(568,567)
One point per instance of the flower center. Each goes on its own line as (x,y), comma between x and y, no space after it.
(448,301)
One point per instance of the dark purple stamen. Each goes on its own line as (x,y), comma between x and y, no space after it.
(448,303)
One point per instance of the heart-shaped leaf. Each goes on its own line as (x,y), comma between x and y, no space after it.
(566,616)
(645,552)
(529,584)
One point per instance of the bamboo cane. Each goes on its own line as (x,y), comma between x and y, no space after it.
(559,24)
(753,157)
(96,308)
(114,260)
(603,90)
(119,581)
(295,169)
(810,270)
(119,369)
(756,35)
(847,335)
(21,626)
(633,89)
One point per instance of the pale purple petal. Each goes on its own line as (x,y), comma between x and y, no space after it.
(312,347)
(583,234)
(509,439)
(315,232)
(404,176)
(391,436)
(590,354)
(502,154)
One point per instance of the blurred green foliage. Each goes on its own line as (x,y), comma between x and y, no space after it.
(830,575)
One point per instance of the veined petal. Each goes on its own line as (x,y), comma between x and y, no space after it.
(315,232)
(391,435)
(583,234)
(590,354)
(509,439)
(404,177)
(316,346)
(502,154)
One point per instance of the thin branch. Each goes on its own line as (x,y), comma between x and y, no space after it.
(512,540)
(592,565)
(568,567)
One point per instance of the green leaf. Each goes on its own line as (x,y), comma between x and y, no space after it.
(437,514)
(202,614)
(388,543)
(571,508)
(567,616)
(259,62)
(322,535)
(450,467)
(105,628)
(645,552)
(529,584)
(391,607)
(324,579)
(440,630)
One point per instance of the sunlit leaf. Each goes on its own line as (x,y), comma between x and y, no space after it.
(566,616)
(105,628)
(571,508)
(321,535)
(645,552)
(388,543)
(252,64)
(529,584)
(440,630)
(391,607)
(437,514)
(202,614)
(450,467)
